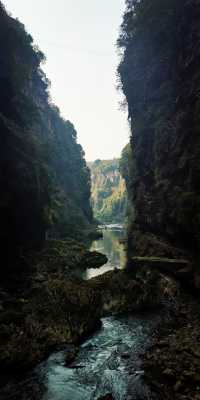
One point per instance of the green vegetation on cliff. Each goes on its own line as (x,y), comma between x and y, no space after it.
(126,167)
(45,194)
(160,78)
(45,182)
(108,191)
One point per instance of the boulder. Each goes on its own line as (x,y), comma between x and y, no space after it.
(71,353)
(120,292)
(93,259)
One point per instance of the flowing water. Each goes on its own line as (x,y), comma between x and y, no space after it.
(108,362)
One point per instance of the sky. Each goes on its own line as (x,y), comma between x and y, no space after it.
(78,38)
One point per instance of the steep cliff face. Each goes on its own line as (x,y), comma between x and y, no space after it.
(108,191)
(44,179)
(160,78)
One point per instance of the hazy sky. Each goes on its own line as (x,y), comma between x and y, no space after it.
(78,38)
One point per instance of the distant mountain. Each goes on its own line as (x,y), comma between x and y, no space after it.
(108,191)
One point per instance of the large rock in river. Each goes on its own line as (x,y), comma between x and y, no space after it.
(120,292)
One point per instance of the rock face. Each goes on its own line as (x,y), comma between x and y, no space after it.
(94,260)
(108,191)
(57,311)
(122,292)
(53,308)
(56,307)
(172,365)
(178,268)
(43,192)
(71,353)
(161,81)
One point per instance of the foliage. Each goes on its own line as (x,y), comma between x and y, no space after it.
(45,182)
(108,191)
(126,168)
(160,78)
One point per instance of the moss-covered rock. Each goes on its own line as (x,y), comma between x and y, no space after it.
(125,292)
(71,354)
(160,78)
(54,308)
(172,366)
(55,311)
(179,268)
(148,244)
(93,259)
(58,308)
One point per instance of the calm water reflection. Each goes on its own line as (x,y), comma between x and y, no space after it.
(109,245)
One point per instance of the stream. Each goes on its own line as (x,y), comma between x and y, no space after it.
(108,362)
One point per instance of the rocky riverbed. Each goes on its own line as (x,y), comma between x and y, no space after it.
(108,364)
(58,308)
(172,364)
(55,306)
(52,307)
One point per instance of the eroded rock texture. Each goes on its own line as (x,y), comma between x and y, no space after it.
(161,81)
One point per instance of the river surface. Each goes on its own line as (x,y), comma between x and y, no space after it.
(108,362)
(112,247)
